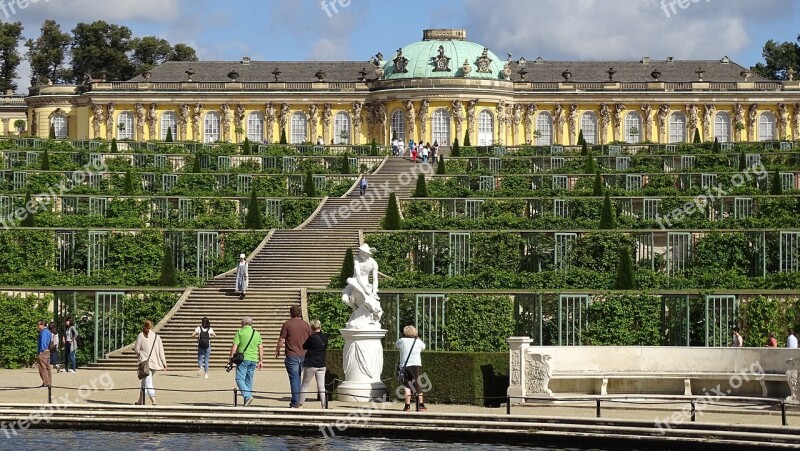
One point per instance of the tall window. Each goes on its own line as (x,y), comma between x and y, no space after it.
(211,127)
(589,128)
(677,128)
(255,127)
(125,125)
(633,128)
(544,125)
(722,127)
(441,127)
(169,121)
(299,128)
(485,128)
(766,127)
(398,125)
(341,128)
(59,124)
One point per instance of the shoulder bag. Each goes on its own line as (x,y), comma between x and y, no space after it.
(143,370)
(238,357)
(401,370)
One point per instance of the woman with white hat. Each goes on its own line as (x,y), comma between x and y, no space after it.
(242,277)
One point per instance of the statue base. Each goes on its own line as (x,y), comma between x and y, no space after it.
(363,365)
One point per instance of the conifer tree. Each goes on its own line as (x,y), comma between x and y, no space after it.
(422,187)
(716,148)
(169,278)
(52,132)
(169,135)
(45,160)
(254,219)
(345,164)
(283,137)
(309,188)
(697,139)
(246,148)
(581,141)
(373,148)
(626,279)
(742,162)
(127,188)
(589,167)
(29,220)
(777,184)
(456,150)
(584,149)
(441,168)
(348,268)
(466,140)
(392,219)
(597,189)
(196,169)
(607,214)
(114,148)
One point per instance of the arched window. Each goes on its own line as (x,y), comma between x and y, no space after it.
(633,128)
(59,124)
(398,125)
(125,125)
(169,121)
(544,125)
(211,127)
(677,128)
(255,127)
(299,130)
(589,128)
(722,127)
(341,128)
(485,128)
(766,127)
(441,127)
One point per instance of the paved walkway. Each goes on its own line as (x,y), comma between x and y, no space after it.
(89,387)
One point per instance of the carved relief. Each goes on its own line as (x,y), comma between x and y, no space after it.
(458,117)
(183,122)
(400,63)
(357,121)
(783,121)
(792,379)
(663,114)
(738,118)
(283,118)
(530,111)
(484,63)
(327,115)
(537,374)
(558,123)
(708,114)
(605,120)
(516,120)
(647,121)
(141,117)
(270,115)
(110,121)
(693,119)
(472,105)
(97,119)
(225,119)
(752,122)
(197,119)
(238,121)
(424,108)
(572,123)
(313,120)
(152,120)
(617,122)
(516,371)
(411,119)
(441,62)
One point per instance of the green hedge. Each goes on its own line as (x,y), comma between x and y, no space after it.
(455,377)
(19,333)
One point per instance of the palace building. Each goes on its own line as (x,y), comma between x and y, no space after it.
(438,89)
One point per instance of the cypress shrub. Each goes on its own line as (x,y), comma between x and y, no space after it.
(169,278)
(466,140)
(440,166)
(777,184)
(581,141)
(309,188)
(584,149)
(196,165)
(254,220)
(345,165)
(742,163)
(127,188)
(373,148)
(392,219)
(246,148)
(589,167)
(607,214)
(283,137)
(697,139)
(52,134)
(422,187)
(456,150)
(716,148)
(114,145)
(45,161)
(169,135)
(348,268)
(597,189)
(625,275)
(29,220)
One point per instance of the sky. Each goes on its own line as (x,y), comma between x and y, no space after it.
(303,30)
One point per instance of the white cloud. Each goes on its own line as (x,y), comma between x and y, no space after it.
(90,10)
(597,30)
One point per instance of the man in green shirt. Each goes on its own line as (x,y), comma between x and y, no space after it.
(248,342)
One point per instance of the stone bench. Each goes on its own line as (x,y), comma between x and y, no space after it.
(537,371)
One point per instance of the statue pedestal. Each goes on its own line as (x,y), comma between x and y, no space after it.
(363,364)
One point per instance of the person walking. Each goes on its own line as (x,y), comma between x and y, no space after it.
(363,184)
(411,347)
(70,345)
(149,348)
(54,360)
(772,342)
(247,342)
(45,339)
(791,340)
(316,347)
(433,152)
(294,334)
(242,277)
(203,332)
(738,341)
(425,154)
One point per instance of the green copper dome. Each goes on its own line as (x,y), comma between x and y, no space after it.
(442,54)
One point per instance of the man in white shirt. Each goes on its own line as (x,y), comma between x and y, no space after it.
(791,342)
(395,149)
(401,146)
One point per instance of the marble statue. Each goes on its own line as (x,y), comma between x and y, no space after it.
(152,120)
(361,295)
(141,118)
(97,119)
(792,379)
(538,373)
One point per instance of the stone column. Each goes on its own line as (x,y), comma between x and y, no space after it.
(796,121)
(618,123)
(516,368)
(357,122)
(363,364)
(783,122)
(152,121)
(752,122)
(423,119)
(501,122)
(270,114)
(110,126)
(141,118)
(225,123)
(183,123)
(313,120)
(530,111)
(708,123)
(411,119)
(647,122)
(572,123)
(458,118)
(738,118)
(605,120)
(663,115)
(327,114)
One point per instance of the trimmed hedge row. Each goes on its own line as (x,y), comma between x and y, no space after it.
(453,377)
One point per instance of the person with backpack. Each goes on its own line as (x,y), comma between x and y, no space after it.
(363,184)
(203,332)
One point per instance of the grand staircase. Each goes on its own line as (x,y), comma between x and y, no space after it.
(290,260)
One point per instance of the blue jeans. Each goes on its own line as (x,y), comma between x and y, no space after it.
(203,354)
(244,378)
(70,357)
(294,366)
